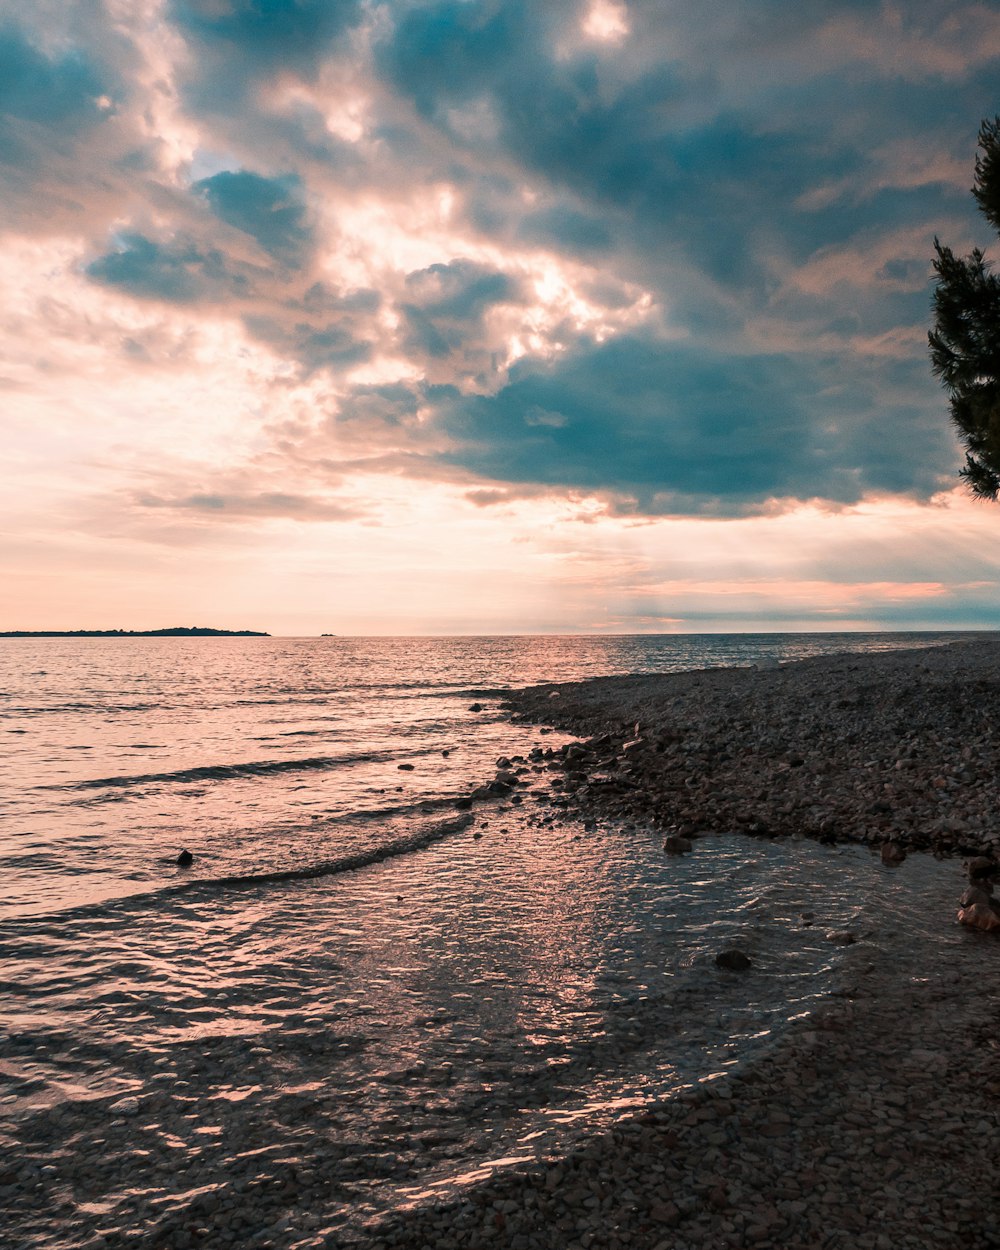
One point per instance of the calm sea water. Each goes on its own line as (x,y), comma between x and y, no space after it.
(393,1030)
(267,755)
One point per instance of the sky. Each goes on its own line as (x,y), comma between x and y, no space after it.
(486,316)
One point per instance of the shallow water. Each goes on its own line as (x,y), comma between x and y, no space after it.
(118,753)
(386,1036)
(268,1037)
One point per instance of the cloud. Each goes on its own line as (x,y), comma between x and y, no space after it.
(178,271)
(59,95)
(670,428)
(268,504)
(566,228)
(266,35)
(445,307)
(270,210)
(637,260)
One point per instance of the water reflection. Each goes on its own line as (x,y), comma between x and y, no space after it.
(407,1027)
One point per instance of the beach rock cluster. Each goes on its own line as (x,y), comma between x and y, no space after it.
(978,908)
(900,750)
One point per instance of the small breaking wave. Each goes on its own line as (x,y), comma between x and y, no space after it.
(144,898)
(226,772)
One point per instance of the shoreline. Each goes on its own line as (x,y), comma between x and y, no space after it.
(898,746)
(869,1123)
(872,1123)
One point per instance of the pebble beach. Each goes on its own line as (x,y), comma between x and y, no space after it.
(397,1104)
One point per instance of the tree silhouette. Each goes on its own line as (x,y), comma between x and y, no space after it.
(965,341)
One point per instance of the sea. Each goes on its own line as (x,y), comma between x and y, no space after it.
(354,983)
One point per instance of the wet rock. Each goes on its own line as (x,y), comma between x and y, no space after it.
(475,707)
(734,960)
(978,893)
(405,768)
(676,845)
(185,859)
(985,916)
(841,937)
(982,868)
(892,853)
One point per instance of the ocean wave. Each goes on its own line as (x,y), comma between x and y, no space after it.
(227,772)
(144,898)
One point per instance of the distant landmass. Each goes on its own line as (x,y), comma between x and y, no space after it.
(179,631)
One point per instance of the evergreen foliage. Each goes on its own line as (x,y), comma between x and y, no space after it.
(965,341)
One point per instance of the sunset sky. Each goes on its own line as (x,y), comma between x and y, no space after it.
(367,316)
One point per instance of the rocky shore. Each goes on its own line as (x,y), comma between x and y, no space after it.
(873,1124)
(900,747)
(873,1127)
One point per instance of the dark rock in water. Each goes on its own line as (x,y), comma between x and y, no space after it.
(982,868)
(979,893)
(841,937)
(734,960)
(446,753)
(463,804)
(984,916)
(676,845)
(503,762)
(475,707)
(185,859)
(892,853)
(405,768)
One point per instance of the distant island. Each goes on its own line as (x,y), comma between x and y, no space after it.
(179,631)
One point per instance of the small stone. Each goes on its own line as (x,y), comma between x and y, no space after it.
(892,853)
(185,859)
(665,1213)
(405,768)
(734,960)
(475,707)
(841,937)
(676,845)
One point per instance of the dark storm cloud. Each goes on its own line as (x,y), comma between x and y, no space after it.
(566,229)
(670,428)
(270,210)
(266,35)
(58,93)
(444,305)
(179,271)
